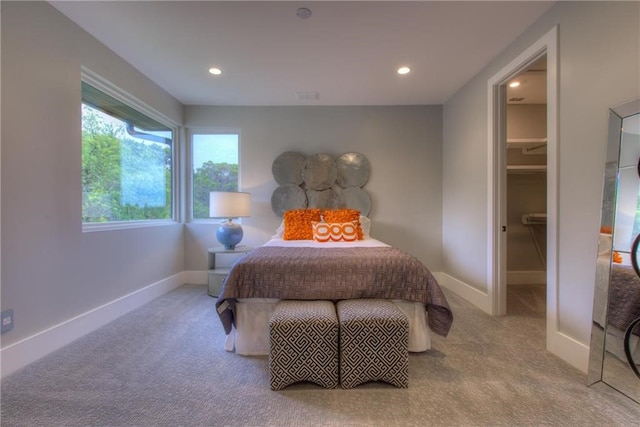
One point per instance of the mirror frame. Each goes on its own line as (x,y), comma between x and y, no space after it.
(603,269)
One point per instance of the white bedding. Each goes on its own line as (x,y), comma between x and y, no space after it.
(251,335)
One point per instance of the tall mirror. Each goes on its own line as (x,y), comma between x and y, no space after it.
(615,337)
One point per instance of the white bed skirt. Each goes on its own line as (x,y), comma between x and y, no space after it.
(250,337)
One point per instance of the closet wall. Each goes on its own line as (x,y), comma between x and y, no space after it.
(526,193)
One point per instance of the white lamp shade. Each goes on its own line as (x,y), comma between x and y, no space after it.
(226,204)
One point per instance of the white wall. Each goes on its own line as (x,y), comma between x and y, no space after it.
(51,270)
(402,144)
(599,45)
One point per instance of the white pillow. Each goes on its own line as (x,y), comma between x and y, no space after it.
(604,245)
(365,223)
(279,231)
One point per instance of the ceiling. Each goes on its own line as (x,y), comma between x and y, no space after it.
(347,52)
(532,84)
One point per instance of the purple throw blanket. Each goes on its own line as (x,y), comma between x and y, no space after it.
(624,296)
(305,273)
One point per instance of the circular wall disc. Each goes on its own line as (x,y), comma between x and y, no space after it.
(287,168)
(319,172)
(324,199)
(287,197)
(353,170)
(357,198)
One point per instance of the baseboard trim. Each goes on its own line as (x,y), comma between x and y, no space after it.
(559,344)
(526,277)
(20,354)
(474,296)
(568,349)
(194,277)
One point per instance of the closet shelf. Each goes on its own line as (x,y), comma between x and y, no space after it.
(526,168)
(518,142)
(528,145)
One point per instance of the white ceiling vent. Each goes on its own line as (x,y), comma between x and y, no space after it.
(307,95)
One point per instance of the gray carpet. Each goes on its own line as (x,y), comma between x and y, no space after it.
(164,365)
(527,300)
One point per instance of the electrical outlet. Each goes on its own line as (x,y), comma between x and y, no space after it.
(7,320)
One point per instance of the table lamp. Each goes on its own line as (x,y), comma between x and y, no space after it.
(229,205)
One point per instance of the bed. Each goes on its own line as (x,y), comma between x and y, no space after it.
(337,270)
(623,308)
(617,304)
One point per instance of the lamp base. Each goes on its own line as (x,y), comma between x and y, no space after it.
(229,234)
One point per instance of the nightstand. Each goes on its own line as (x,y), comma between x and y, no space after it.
(219,264)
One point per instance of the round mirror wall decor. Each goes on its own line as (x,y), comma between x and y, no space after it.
(319,172)
(325,199)
(320,181)
(353,170)
(357,198)
(288,197)
(287,168)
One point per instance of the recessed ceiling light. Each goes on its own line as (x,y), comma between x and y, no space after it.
(215,71)
(514,84)
(404,70)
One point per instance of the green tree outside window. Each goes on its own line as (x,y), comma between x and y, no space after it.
(215,168)
(124,177)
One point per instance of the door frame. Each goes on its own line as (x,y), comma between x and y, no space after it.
(497,140)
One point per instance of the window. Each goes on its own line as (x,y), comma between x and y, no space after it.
(127,161)
(214,168)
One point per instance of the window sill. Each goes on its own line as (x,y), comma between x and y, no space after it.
(124,225)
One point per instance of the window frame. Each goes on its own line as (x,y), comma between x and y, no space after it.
(190,132)
(93,79)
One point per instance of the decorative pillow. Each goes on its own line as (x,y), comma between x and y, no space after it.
(334,231)
(617,258)
(365,224)
(297,224)
(344,215)
(605,229)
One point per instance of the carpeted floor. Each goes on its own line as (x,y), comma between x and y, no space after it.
(164,365)
(527,300)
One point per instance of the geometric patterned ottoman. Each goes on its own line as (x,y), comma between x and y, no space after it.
(303,344)
(374,343)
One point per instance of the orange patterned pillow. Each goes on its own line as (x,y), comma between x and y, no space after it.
(344,215)
(297,224)
(334,231)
